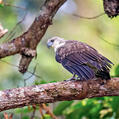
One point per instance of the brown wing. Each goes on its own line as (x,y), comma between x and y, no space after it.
(81,59)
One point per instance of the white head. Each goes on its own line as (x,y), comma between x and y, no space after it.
(55,42)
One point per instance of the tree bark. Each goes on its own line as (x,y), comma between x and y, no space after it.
(61,91)
(111,7)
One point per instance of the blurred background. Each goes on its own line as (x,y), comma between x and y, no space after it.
(101,33)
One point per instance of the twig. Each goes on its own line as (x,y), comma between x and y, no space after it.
(41,111)
(11,116)
(116,45)
(85,17)
(11,34)
(34,110)
(7,4)
(30,76)
(48,111)
(7,117)
(32,73)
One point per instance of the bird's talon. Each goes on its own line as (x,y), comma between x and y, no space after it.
(71,79)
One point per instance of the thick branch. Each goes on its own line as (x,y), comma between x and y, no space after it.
(32,36)
(111,7)
(61,91)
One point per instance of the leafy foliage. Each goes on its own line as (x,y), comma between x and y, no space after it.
(97,108)
(117,71)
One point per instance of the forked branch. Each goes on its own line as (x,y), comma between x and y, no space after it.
(26,44)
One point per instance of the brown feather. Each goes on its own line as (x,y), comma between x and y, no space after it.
(82,59)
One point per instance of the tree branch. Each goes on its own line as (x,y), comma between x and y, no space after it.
(30,39)
(61,91)
(111,7)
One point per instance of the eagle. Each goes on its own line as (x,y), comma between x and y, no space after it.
(80,59)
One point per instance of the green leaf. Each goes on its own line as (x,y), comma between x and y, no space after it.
(117,71)
(1,5)
(23,110)
(47,116)
(61,107)
(25,117)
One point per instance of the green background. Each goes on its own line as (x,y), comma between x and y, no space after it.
(92,32)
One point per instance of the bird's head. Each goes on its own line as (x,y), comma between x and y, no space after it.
(55,42)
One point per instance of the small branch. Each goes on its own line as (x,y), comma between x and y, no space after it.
(7,117)
(89,18)
(61,91)
(41,111)
(112,44)
(48,111)
(34,110)
(7,4)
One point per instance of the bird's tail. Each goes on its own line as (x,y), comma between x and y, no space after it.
(103,75)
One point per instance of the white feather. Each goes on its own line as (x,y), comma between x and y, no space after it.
(57,45)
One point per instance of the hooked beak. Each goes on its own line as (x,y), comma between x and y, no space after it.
(49,44)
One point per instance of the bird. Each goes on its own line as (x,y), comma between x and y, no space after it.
(80,59)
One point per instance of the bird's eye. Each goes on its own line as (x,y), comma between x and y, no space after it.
(52,40)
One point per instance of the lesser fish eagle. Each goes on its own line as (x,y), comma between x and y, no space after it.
(80,59)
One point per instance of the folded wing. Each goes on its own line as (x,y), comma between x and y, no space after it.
(82,60)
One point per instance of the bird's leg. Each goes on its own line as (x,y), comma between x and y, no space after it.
(73,78)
